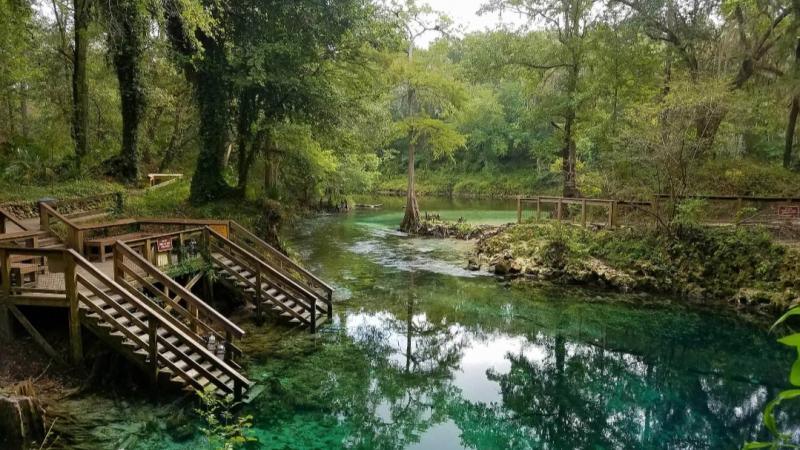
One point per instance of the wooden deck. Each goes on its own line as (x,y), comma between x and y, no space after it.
(133,306)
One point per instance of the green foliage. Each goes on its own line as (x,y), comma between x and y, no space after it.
(223,429)
(10,191)
(781,439)
(698,262)
(690,212)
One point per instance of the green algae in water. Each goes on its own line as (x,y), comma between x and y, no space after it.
(422,354)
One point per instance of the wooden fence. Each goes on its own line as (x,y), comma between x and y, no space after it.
(610,209)
(719,209)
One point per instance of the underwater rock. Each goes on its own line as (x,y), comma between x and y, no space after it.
(21,422)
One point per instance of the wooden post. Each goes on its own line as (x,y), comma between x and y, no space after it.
(330,305)
(181,244)
(6,330)
(147,252)
(314,315)
(538,208)
(228,346)
(152,333)
(119,263)
(558,209)
(611,212)
(71,287)
(583,212)
(237,390)
(259,300)
(2,223)
(44,218)
(519,209)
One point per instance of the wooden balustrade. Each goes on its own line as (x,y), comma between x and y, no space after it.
(163,179)
(201,317)
(245,239)
(74,233)
(148,246)
(161,319)
(611,207)
(263,272)
(85,287)
(6,217)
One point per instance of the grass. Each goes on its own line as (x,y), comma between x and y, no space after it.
(15,192)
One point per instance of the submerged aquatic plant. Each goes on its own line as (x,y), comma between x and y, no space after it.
(223,429)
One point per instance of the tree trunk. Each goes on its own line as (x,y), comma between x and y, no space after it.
(246,144)
(212,94)
(127,48)
(793,111)
(790,130)
(410,222)
(569,159)
(173,147)
(80,87)
(23,111)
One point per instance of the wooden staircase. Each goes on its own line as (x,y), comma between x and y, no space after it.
(150,336)
(267,286)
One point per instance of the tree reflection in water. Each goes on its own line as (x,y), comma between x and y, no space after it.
(586,396)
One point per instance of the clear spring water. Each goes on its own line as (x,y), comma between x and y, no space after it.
(423,354)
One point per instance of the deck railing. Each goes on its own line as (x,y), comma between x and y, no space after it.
(83,285)
(6,218)
(134,272)
(263,273)
(282,263)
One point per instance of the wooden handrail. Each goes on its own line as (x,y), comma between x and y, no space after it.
(8,237)
(5,215)
(150,221)
(33,251)
(163,322)
(236,228)
(137,241)
(74,232)
(51,211)
(765,199)
(184,293)
(256,260)
(180,221)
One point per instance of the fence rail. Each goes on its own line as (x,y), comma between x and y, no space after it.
(720,209)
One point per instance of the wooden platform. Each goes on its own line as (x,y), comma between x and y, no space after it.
(134,307)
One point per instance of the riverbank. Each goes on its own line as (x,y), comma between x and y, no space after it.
(740,267)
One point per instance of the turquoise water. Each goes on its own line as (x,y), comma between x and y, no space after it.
(423,354)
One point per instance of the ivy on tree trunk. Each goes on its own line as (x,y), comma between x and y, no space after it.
(80,87)
(127,28)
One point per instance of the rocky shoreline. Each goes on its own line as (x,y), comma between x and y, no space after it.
(546,258)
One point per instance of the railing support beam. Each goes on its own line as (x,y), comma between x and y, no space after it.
(6,330)
(71,287)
